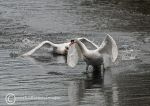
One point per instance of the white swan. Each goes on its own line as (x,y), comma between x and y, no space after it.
(102,55)
(60,49)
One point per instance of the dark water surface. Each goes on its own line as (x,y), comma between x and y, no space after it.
(25,23)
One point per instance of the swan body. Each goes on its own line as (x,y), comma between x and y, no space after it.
(60,49)
(103,55)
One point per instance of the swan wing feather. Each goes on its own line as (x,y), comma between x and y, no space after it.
(47,43)
(72,56)
(109,47)
(89,43)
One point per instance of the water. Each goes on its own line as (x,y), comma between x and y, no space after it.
(25,23)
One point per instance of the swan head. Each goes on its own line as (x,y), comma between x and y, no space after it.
(72,42)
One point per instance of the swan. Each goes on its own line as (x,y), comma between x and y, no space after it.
(59,49)
(103,55)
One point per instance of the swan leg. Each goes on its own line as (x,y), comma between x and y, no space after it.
(87,67)
(97,70)
(103,69)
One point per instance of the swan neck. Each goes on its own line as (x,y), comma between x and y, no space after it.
(82,47)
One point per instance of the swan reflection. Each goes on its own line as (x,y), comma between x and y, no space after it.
(93,90)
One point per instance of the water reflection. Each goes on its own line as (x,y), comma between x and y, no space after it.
(92,90)
(132,86)
(51,59)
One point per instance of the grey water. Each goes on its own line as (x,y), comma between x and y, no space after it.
(25,23)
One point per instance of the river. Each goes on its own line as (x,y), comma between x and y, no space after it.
(25,23)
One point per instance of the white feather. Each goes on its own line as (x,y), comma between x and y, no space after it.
(38,47)
(59,48)
(106,53)
(72,57)
(109,47)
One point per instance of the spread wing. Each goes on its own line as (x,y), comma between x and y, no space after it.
(109,48)
(47,43)
(72,56)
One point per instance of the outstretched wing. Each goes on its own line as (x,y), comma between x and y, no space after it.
(89,44)
(72,56)
(109,48)
(38,47)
